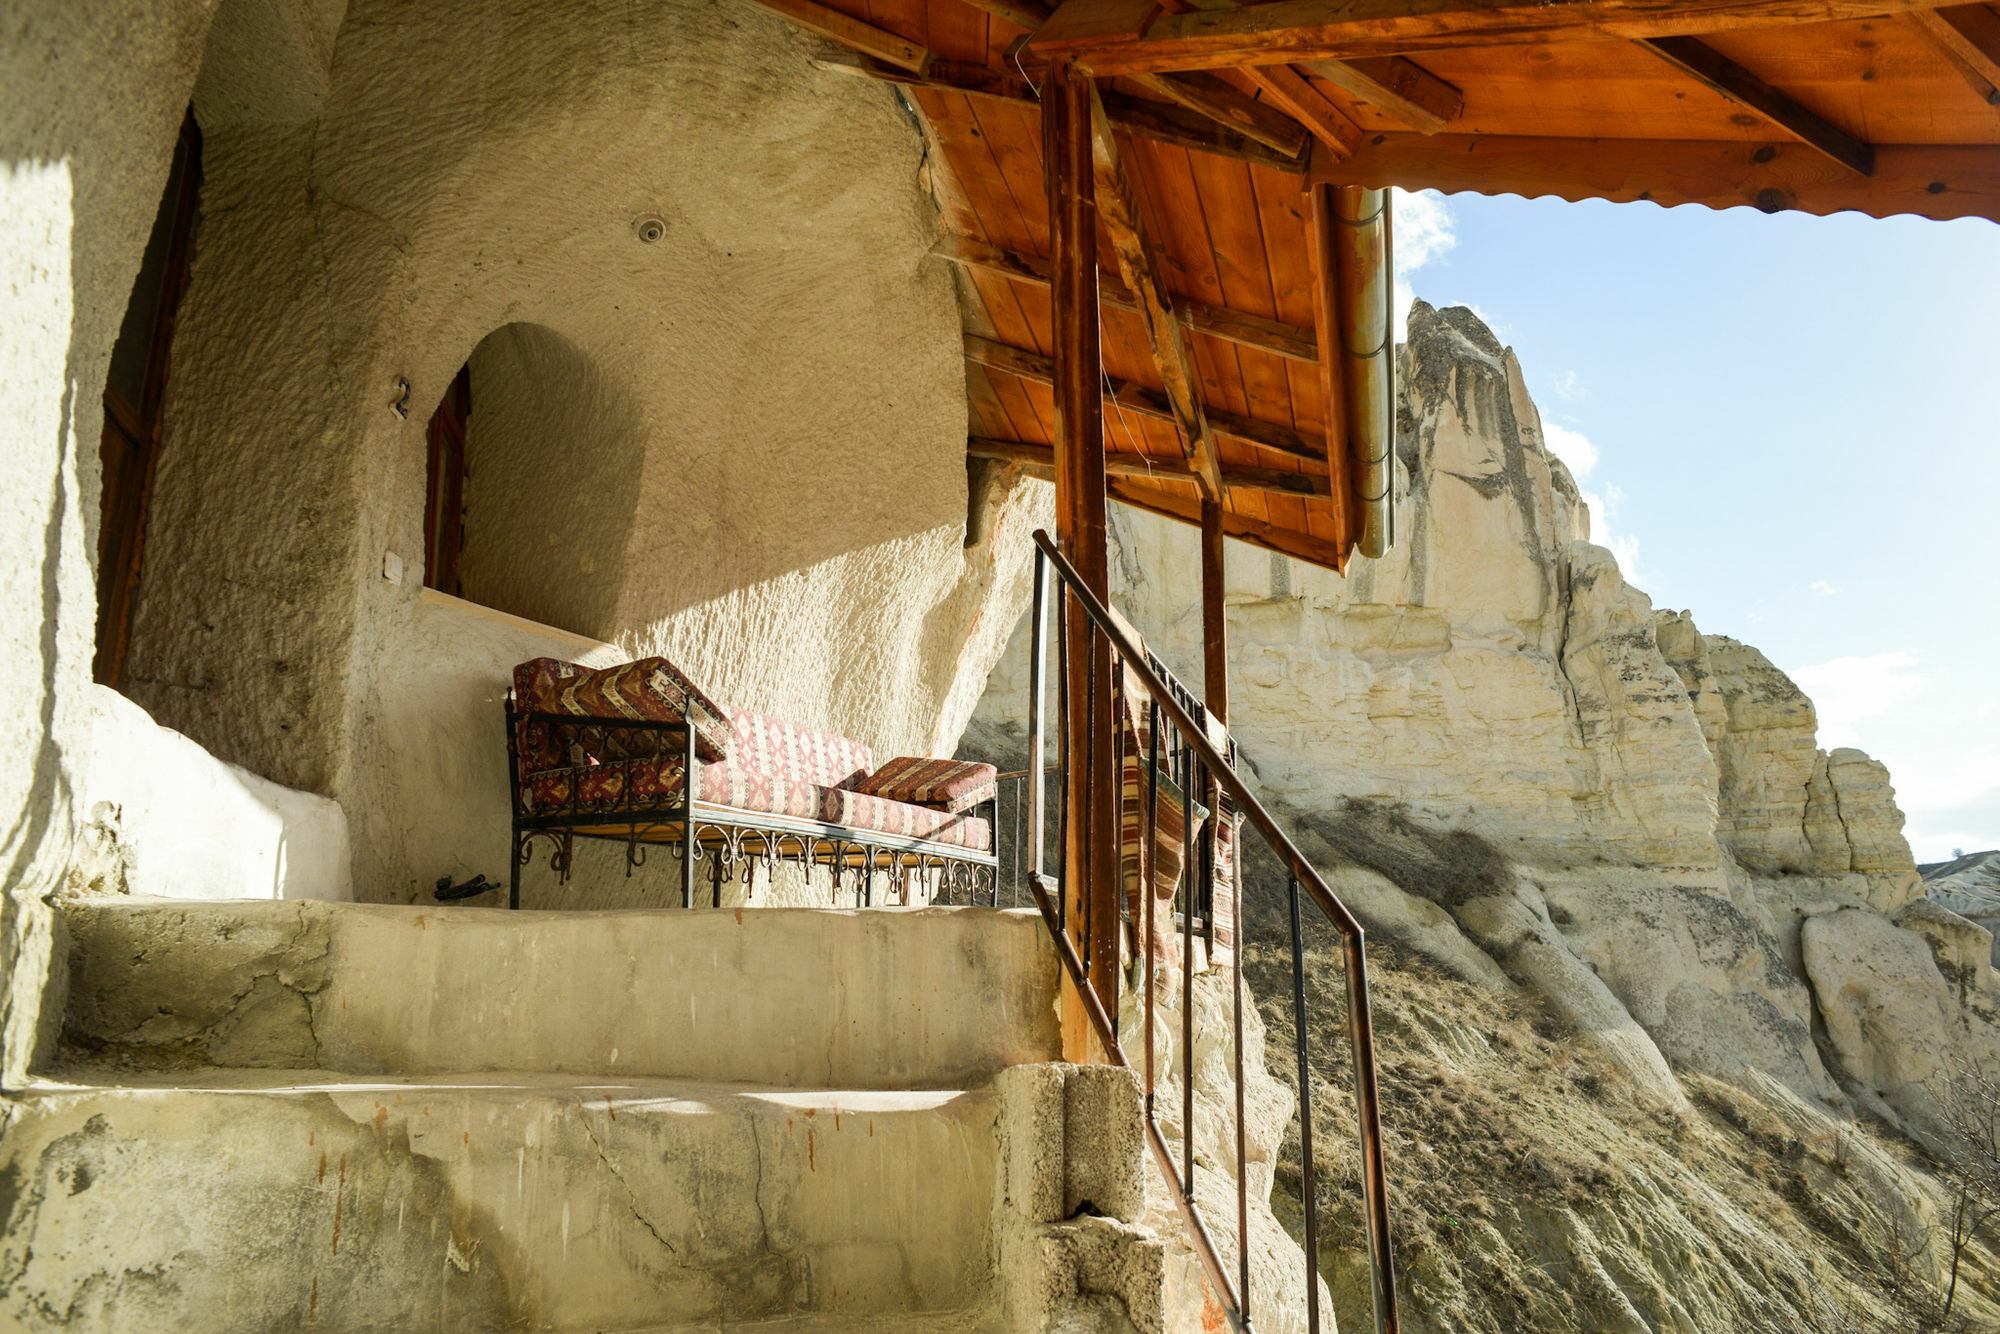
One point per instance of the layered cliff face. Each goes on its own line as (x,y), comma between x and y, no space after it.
(1523,777)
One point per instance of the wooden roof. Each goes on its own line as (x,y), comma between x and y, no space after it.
(1228,116)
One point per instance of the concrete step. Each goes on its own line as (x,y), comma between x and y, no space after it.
(788,997)
(236,1200)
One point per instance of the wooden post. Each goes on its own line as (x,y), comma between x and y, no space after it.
(1214,616)
(1090,866)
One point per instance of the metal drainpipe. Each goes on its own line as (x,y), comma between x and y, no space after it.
(1364,267)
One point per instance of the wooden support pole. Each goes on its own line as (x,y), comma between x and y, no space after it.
(1090,857)
(1214,615)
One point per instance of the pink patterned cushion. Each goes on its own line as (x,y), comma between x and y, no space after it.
(948,785)
(788,751)
(647,689)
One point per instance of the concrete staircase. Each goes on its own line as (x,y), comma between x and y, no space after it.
(289,1116)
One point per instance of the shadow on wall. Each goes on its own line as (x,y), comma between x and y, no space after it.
(552,455)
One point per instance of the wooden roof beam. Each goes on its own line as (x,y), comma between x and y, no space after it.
(1152,495)
(1154,120)
(1137,398)
(1113,37)
(1392,85)
(1118,210)
(1932,181)
(1725,76)
(1969,35)
(1230,107)
(1291,90)
(1398,88)
(1291,341)
(851,32)
(1042,459)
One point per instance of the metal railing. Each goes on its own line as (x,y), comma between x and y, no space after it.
(1185,749)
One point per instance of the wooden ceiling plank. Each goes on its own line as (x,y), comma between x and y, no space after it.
(1970,34)
(1026,15)
(1950,181)
(1036,367)
(1114,37)
(851,32)
(1234,478)
(1738,84)
(1398,88)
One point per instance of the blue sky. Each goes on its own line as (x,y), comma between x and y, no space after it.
(1790,426)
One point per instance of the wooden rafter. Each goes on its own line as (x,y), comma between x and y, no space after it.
(1292,91)
(1970,36)
(1041,459)
(1181,503)
(1161,121)
(1292,341)
(1230,107)
(1725,76)
(1400,89)
(1118,210)
(851,32)
(1114,37)
(1933,181)
(1145,402)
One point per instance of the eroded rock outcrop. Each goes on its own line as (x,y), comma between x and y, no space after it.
(1667,863)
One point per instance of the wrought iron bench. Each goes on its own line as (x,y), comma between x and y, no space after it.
(604,754)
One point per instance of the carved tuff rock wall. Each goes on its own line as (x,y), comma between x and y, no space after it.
(751,449)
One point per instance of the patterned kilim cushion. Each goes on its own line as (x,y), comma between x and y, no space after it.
(642,784)
(949,785)
(648,689)
(788,751)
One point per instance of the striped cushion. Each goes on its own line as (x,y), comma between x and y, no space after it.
(948,785)
(787,751)
(647,689)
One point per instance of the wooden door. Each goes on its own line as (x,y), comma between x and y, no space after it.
(134,393)
(444,494)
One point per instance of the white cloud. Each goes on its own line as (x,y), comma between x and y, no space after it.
(1423,232)
(1823,588)
(1603,507)
(1850,691)
(1572,447)
(1570,386)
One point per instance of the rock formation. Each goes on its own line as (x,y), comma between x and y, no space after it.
(1524,778)
(1967,885)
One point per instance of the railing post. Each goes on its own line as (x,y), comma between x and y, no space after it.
(1037,691)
